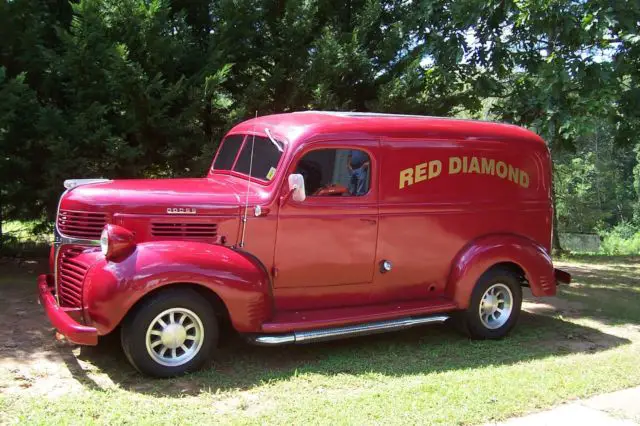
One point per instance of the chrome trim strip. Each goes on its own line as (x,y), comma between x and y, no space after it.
(56,253)
(57,231)
(375,114)
(59,240)
(274,340)
(72,183)
(325,334)
(57,244)
(77,241)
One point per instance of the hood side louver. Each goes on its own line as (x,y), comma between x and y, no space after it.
(178,229)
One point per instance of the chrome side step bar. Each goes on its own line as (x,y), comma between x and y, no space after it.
(325,334)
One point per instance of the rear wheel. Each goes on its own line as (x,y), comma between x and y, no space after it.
(171,333)
(495,305)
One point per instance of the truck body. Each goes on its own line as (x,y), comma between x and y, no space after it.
(309,226)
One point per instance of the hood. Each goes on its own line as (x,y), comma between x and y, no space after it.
(154,196)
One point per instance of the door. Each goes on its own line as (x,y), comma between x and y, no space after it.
(326,244)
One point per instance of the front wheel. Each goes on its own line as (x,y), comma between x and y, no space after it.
(171,333)
(495,305)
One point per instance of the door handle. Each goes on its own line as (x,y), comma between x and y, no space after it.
(369,221)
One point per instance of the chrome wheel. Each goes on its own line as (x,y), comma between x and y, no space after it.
(174,337)
(496,306)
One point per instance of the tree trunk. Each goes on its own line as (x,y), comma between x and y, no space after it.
(555,244)
(1,234)
(556,248)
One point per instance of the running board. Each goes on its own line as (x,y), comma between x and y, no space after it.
(324,334)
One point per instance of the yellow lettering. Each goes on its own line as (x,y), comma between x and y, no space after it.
(435,167)
(474,167)
(488,166)
(501,169)
(406,177)
(513,173)
(421,172)
(455,165)
(464,164)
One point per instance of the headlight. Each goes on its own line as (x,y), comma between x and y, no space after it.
(116,242)
(104,241)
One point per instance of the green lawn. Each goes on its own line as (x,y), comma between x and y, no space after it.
(588,342)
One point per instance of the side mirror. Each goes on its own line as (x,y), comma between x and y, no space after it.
(296,187)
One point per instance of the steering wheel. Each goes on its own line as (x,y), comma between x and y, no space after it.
(332,190)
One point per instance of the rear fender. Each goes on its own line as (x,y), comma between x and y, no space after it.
(483,253)
(113,288)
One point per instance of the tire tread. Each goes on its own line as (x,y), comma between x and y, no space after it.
(470,322)
(134,330)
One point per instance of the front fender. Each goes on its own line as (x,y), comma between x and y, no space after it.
(111,289)
(481,254)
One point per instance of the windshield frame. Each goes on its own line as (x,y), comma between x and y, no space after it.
(247,138)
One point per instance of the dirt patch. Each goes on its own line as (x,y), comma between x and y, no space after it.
(28,354)
(550,305)
(579,343)
(31,359)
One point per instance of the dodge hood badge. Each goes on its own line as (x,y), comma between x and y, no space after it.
(181,210)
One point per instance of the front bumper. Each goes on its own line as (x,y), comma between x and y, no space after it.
(70,328)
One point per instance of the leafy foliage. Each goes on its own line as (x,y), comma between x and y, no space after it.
(135,88)
(623,239)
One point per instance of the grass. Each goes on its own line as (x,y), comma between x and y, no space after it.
(608,287)
(428,375)
(19,239)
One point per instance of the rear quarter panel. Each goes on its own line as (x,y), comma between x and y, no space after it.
(451,200)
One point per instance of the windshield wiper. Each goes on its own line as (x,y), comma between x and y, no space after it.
(273,141)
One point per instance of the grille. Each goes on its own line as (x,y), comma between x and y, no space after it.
(184,230)
(81,224)
(71,274)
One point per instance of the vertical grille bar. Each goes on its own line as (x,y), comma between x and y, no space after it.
(71,274)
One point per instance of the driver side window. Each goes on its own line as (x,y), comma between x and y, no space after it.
(335,172)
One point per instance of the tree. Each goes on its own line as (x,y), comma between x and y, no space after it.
(561,75)
(113,95)
(126,88)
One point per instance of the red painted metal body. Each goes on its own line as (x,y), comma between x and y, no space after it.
(60,319)
(448,199)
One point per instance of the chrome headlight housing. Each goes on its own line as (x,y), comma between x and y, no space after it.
(116,242)
(104,241)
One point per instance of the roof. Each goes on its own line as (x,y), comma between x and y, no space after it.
(298,126)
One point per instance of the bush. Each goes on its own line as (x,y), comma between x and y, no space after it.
(20,239)
(623,239)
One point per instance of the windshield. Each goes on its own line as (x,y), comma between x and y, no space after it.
(265,156)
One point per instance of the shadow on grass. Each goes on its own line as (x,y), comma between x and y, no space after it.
(421,350)
(609,295)
(27,334)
